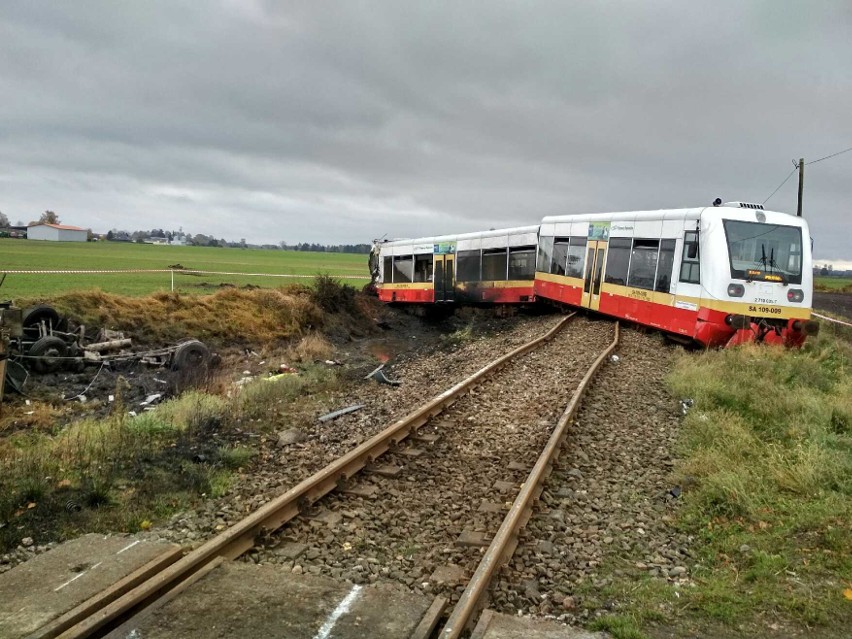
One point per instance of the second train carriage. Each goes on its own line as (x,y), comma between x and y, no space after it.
(495,266)
(716,275)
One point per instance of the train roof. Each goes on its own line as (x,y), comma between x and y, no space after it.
(517,230)
(734,210)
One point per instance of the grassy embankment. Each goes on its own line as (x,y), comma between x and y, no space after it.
(833,284)
(59,477)
(766,462)
(32,255)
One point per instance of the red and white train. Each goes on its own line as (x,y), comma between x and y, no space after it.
(720,275)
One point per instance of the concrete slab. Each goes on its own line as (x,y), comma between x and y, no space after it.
(493,625)
(41,591)
(246,600)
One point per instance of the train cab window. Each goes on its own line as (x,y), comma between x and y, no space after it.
(403,268)
(690,267)
(467,266)
(422,268)
(643,264)
(576,251)
(522,263)
(619,260)
(387,270)
(665,263)
(494,264)
(559,256)
(545,250)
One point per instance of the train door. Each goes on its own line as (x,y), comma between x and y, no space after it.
(595,256)
(445,277)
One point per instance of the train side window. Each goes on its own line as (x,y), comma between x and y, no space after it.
(664,266)
(422,268)
(403,268)
(522,263)
(690,267)
(559,256)
(387,270)
(545,249)
(494,264)
(467,266)
(576,251)
(643,264)
(619,260)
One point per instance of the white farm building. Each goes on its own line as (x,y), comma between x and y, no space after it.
(57,233)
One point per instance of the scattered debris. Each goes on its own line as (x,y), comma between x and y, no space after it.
(379,376)
(286,369)
(333,362)
(615,358)
(156,397)
(342,411)
(686,404)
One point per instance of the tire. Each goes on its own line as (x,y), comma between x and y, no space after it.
(35,315)
(50,352)
(190,355)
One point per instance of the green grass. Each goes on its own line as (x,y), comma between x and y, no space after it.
(833,284)
(768,446)
(32,255)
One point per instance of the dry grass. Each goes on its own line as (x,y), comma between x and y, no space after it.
(232,316)
(310,348)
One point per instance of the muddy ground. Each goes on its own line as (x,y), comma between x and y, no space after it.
(838,303)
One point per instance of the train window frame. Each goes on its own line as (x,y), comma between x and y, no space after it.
(423,274)
(387,269)
(690,267)
(640,258)
(462,265)
(397,270)
(500,257)
(543,256)
(663,280)
(524,273)
(619,248)
(579,264)
(558,257)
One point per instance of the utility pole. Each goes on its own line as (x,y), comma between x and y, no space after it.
(801,185)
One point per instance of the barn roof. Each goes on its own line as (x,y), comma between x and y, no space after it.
(62,227)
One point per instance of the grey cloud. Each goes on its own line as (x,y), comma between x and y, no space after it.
(342,122)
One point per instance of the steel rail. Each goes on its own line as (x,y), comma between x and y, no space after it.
(506,540)
(240,537)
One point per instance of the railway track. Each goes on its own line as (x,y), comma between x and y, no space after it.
(466,432)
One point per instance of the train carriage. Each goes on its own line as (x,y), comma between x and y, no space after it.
(496,266)
(716,275)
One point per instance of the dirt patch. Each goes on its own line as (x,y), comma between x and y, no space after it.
(838,303)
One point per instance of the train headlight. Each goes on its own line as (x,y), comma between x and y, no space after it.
(736,290)
(795,295)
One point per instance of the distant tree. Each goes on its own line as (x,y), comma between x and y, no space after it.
(48,217)
(823,271)
(90,235)
(4,221)
(110,235)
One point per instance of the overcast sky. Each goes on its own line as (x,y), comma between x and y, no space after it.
(339,122)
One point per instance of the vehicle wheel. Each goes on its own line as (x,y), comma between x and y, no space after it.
(190,355)
(34,316)
(50,352)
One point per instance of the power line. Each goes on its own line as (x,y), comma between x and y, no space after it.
(829,156)
(795,168)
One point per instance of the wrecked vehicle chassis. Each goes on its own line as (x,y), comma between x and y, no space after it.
(44,344)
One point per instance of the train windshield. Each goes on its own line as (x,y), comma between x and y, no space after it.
(768,252)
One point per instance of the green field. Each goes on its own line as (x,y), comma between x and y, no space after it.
(839,284)
(31,255)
